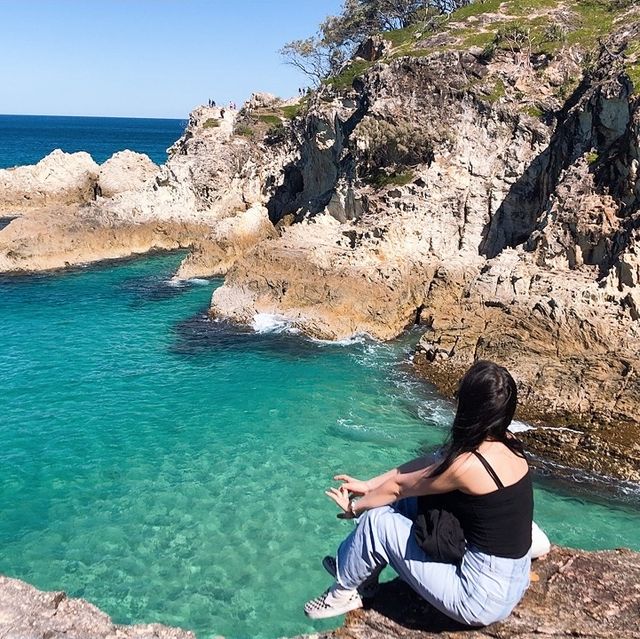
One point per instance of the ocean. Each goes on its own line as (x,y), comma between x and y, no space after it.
(26,139)
(170,468)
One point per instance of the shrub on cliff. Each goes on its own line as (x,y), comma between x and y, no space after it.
(393,146)
(324,54)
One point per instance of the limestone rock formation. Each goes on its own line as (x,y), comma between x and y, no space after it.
(27,613)
(58,179)
(130,206)
(226,242)
(573,593)
(124,171)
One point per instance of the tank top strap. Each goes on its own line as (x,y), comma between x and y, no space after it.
(489,469)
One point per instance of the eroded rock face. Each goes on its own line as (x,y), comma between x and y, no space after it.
(27,613)
(433,191)
(222,245)
(573,593)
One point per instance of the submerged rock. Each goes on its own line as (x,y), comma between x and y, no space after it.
(573,594)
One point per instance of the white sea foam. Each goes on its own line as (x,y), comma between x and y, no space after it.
(520,427)
(347,341)
(176,283)
(564,428)
(271,323)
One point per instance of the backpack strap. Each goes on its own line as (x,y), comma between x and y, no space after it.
(489,469)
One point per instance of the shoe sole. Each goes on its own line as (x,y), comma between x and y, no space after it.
(354,604)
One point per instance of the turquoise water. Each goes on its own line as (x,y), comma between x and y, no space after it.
(26,139)
(171,469)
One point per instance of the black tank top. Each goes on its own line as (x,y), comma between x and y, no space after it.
(498,523)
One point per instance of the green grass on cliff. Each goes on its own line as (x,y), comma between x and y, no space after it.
(381,180)
(293,110)
(270,119)
(632,65)
(498,91)
(476,8)
(211,123)
(522,27)
(245,130)
(596,20)
(345,79)
(532,19)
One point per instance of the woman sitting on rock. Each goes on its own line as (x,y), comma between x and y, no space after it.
(483,479)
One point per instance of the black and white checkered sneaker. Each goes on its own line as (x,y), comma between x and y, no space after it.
(333,602)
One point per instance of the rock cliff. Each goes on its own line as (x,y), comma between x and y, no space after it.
(480,179)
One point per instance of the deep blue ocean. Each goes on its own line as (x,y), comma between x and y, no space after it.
(170,468)
(26,139)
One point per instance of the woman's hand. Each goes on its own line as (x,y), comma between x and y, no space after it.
(353,485)
(342,499)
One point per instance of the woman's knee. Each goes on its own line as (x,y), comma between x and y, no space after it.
(373,517)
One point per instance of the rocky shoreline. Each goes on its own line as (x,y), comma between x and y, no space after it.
(28,613)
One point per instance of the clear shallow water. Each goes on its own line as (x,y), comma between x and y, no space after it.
(26,139)
(171,469)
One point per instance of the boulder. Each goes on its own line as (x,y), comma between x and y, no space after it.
(125,171)
(59,178)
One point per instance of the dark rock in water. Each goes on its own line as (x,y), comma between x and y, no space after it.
(27,613)
(572,594)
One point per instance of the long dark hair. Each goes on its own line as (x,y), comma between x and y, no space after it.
(487,398)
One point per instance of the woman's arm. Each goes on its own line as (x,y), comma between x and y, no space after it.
(410,480)
(364,487)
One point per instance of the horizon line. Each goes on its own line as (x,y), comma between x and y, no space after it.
(66,115)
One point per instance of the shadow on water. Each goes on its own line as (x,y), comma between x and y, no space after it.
(144,289)
(200,335)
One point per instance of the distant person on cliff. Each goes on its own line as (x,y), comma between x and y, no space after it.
(482,480)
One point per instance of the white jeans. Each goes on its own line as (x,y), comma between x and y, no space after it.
(482,590)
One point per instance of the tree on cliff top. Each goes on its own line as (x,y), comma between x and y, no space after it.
(323,55)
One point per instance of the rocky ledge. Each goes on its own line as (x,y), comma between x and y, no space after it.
(572,594)
(28,613)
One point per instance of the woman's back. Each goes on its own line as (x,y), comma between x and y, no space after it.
(494,503)
(475,479)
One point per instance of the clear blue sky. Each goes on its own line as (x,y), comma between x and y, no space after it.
(148,58)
